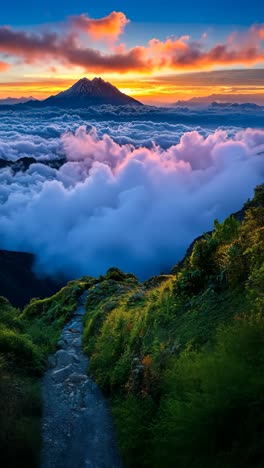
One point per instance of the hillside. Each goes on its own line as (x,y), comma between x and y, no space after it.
(19,283)
(9,101)
(26,340)
(180,357)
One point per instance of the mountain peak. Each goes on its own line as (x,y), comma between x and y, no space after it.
(13,100)
(87,92)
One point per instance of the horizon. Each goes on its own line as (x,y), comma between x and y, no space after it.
(155,57)
(205,99)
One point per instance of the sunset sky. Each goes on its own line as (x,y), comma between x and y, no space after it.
(158,52)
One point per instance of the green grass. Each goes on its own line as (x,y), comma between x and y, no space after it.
(26,339)
(181,357)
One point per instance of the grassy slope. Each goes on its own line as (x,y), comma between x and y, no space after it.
(182,357)
(26,339)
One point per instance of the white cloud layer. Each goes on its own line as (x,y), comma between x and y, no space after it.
(119,199)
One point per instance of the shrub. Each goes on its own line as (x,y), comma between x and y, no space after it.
(19,352)
(115,274)
(211,413)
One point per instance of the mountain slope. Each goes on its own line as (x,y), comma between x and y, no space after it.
(9,101)
(180,356)
(90,93)
(17,280)
(25,343)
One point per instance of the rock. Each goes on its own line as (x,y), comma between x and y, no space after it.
(51,361)
(89,387)
(62,374)
(76,400)
(74,330)
(63,358)
(66,333)
(68,339)
(74,356)
(77,378)
(77,342)
(61,343)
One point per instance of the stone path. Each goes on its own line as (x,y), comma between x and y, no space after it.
(77,426)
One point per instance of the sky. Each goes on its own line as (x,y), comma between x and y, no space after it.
(157,52)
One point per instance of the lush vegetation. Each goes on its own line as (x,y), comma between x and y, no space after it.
(182,356)
(25,340)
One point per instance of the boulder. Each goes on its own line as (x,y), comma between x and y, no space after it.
(63,358)
(62,374)
(77,378)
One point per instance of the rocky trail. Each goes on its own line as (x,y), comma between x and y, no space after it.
(77,426)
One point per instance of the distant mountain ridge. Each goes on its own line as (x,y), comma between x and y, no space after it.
(19,283)
(86,93)
(11,101)
(220,99)
(23,164)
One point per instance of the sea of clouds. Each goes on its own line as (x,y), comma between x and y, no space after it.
(131,191)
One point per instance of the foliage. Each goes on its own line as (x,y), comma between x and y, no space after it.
(20,366)
(181,357)
(117,275)
(25,340)
(211,411)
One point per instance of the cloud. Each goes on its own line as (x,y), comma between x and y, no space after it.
(32,46)
(95,61)
(237,77)
(108,28)
(4,66)
(115,200)
(175,54)
(183,53)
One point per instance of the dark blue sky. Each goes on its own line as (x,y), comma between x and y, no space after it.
(235,12)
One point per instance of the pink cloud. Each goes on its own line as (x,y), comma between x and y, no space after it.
(108,28)
(4,66)
(172,54)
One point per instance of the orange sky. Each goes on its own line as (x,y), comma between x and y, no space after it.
(43,62)
(148,90)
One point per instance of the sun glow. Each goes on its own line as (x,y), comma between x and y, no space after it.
(147,91)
